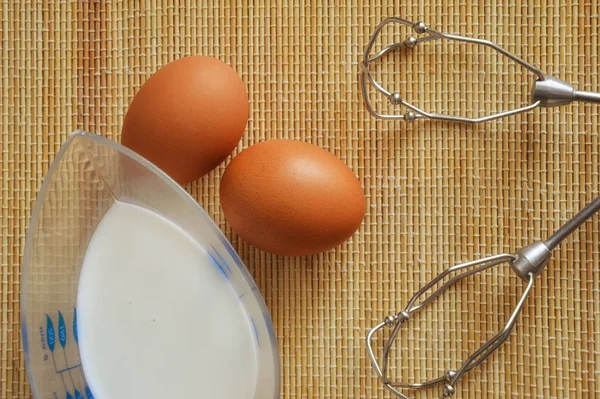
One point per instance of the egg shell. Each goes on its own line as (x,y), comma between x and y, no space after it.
(291,198)
(187,117)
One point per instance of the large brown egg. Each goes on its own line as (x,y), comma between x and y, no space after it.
(188,117)
(291,198)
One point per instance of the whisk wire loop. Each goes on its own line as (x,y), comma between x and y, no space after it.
(527,263)
(547,91)
(395,322)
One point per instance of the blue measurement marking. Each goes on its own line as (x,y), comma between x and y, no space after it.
(223,261)
(230,250)
(62,330)
(25,341)
(76,336)
(62,339)
(68,369)
(61,333)
(62,378)
(51,340)
(88,393)
(216,263)
(50,337)
(81,372)
(255,332)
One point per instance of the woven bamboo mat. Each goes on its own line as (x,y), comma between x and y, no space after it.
(437,193)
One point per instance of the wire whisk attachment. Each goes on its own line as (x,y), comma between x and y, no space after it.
(547,91)
(527,263)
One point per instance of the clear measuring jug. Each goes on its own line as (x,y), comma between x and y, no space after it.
(88,174)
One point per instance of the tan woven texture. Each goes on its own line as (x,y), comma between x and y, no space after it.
(437,193)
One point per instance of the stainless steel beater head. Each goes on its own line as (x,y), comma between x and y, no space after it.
(416,303)
(546,92)
(527,263)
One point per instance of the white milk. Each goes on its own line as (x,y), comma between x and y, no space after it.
(156,318)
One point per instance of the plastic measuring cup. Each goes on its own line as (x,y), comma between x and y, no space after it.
(87,175)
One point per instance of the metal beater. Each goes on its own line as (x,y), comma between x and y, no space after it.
(527,263)
(547,91)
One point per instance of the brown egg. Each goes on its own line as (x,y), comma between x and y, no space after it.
(291,198)
(188,117)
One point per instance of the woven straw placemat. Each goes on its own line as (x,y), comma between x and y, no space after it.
(437,193)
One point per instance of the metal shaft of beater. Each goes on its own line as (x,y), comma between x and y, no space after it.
(586,96)
(532,259)
(577,220)
(527,263)
(551,92)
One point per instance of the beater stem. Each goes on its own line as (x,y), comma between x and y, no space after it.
(586,96)
(552,92)
(577,220)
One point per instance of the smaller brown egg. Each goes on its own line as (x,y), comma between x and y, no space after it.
(187,117)
(291,198)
